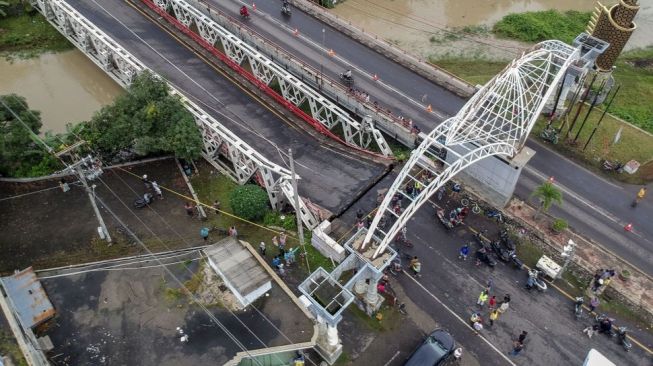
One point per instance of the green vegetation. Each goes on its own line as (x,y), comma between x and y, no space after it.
(633,103)
(559,225)
(476,71)
(21,155)
(548,194)
(287,222)
(9,347)
(25,33)
(249,202)
(147,120)
(542,25)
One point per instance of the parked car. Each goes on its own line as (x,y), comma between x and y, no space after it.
(435,350)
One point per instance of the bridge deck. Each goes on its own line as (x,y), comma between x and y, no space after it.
(319,165)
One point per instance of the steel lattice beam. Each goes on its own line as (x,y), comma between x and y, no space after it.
(293,90)
(218,140)
(495,121)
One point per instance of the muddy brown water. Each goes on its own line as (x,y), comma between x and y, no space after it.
(65,87)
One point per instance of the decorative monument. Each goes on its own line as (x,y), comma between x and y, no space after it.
(615,26)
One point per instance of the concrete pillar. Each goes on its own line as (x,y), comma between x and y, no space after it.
(360,287)
(372,295)
(332,335)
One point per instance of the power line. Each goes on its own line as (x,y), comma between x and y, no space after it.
(138,240)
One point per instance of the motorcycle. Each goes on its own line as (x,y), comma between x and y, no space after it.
(578,307)
(550,134)
(446,222)
(347,80)
(500,251)
(623,338)
(535,281)
(613,166)
(495,214)
(244,13)
(506,240)
(143,201)
(483,257)
(605,325)
(285,8)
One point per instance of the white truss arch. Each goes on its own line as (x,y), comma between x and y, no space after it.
(495,121)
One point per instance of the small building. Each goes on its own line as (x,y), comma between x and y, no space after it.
(28,298)
(240,271)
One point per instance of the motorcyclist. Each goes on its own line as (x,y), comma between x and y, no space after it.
(347,75)
(243,11)
(578,303)
(285,7)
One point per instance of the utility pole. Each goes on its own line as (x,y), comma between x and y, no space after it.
(300,227)
(84,168)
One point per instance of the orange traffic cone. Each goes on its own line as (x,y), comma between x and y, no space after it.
(376,77)
(429,108)
(296,32)
(628,227)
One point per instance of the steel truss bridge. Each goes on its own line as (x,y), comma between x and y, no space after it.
(327,113)
(495,121)
(220,144)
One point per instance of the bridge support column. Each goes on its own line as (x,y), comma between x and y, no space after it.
(328,343)
(494,178)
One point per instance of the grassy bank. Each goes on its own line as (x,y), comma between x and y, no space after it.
(538,26)
(29,35)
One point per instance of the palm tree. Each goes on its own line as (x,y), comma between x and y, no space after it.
(548,194)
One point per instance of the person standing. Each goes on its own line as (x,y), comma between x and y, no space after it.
(233,232)
(594,303)
(522,337)
(482,298)
(157,190)
(640,196)
(216,207)
(282,241)
(190,209)
(492,303)
(204,233)
(261,248)
(503,307)
(494,315)
(516,348)
(464,252)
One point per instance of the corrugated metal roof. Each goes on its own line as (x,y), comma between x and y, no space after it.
(28,297)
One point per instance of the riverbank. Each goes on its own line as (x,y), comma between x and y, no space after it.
(28,35)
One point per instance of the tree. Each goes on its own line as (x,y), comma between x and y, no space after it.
(548,194)
(147,120)
(20,153)
(249,202)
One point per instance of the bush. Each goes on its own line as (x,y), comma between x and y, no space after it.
(273,218)
(249,202)
(542,25)
(559,225)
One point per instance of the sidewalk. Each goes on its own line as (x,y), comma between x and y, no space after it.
(637,292)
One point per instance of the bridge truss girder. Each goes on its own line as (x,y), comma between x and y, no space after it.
(220,144)
(323,110)
(495,121)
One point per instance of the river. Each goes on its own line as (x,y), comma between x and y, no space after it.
(65,87)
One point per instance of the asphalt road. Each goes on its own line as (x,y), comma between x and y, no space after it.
(318,164)
(449,287)
(594,206)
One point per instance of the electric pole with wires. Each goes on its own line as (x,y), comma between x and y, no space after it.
(86,168)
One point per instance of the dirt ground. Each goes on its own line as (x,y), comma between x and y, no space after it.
(126,316)
(44,227)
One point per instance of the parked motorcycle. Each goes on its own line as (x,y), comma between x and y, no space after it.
(502,253)
(285,8)
(143,201)
(535,281)
(515,260)
(506,240)
(483,257)
(613,166)
(605,325)
(578,307)
(622,336)
(446,222)
(550,134)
